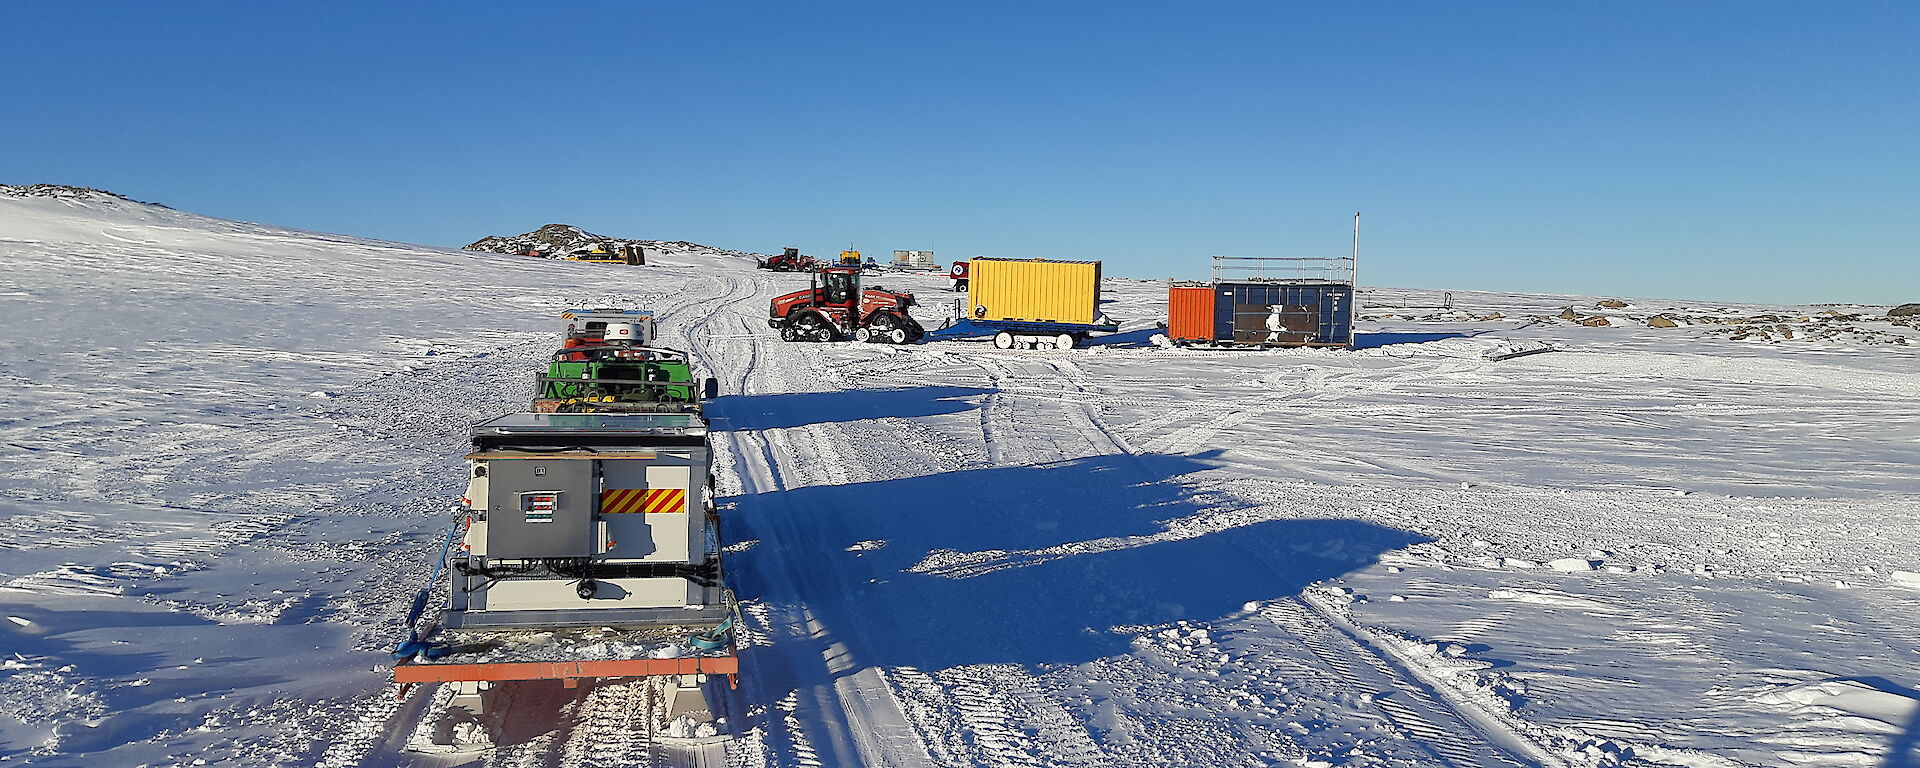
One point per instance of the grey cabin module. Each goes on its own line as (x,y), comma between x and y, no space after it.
(588,519)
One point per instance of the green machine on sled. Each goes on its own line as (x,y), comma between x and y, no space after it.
(606,365)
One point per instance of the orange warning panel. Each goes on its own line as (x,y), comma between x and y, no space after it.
(662,500)
(615,501)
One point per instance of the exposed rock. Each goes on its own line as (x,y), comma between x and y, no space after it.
(1786,332)
(1612,303)
(557,240)
(1596,322)
(64,192)
(550,240)
(1568,314)
(1494,316)
(1661,321)
(1904,310)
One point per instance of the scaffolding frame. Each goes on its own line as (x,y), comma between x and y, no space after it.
(1339,269)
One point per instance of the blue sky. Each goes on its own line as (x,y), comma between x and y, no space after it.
(1715,150)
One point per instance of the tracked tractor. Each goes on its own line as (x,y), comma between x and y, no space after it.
(789,260)
(835,308)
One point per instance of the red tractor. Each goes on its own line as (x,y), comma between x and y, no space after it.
(835,308)
(789,260)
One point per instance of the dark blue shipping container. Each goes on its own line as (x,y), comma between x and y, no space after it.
(1283,314)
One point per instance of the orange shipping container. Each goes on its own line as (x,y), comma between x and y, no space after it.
(1190,312)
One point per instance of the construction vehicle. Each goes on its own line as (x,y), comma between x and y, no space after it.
(850,258)
(958,275)
(610,253)
(835,307)
(789,260)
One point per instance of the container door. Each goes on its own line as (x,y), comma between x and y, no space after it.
(1270,315)
(539,508)
(644,505)
(1190,313)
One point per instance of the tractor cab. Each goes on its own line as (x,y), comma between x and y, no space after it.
(840,286)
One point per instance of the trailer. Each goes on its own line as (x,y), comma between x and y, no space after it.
(1020,334)
(586,548)
(1028,303)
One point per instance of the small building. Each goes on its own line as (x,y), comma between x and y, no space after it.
(913,259)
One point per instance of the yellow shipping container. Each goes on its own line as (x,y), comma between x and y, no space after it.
(1034,290)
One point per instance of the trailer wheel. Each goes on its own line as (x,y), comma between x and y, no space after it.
(1063,341)
(897,335)
(1003,340)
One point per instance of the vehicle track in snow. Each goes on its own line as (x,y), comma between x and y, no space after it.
(1060,421)
(816,717)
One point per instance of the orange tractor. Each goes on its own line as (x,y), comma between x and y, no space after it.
(835,308)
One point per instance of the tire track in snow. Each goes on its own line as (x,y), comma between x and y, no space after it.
(812,722)
(1462,733)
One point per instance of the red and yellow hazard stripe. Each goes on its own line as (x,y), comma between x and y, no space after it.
(614,501)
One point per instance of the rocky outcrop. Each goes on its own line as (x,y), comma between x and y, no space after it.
(556,240)
(64,192)
(1904,310)
(550,240)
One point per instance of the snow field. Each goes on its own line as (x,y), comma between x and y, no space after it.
(1658,547)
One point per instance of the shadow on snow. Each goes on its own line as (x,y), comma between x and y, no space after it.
(1030,565)
(1378,340)
(802,408)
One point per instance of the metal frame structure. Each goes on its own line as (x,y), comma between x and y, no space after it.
(1299,270)
(1339,269)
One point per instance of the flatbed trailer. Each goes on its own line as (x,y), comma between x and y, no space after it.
(1023,334)
(570,672)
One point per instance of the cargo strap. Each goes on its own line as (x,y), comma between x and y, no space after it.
(414,646)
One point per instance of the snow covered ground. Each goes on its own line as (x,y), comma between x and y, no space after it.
(226,450)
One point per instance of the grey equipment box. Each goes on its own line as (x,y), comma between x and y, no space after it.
(540,507)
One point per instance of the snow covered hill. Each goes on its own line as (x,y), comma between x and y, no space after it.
(227,449)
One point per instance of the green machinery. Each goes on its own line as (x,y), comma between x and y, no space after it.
(601,378)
